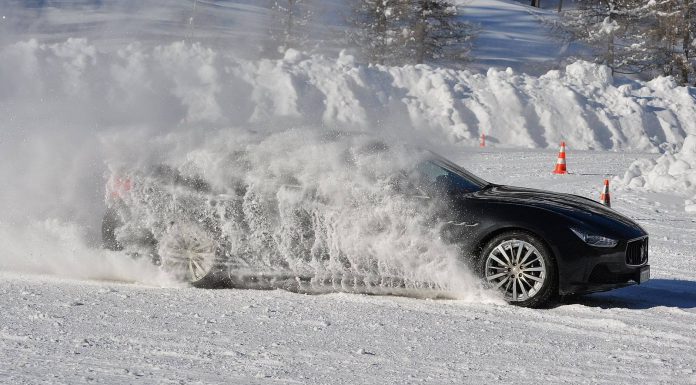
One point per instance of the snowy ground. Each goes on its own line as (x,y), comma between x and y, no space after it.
(64,102)
(68,331)
(514,34)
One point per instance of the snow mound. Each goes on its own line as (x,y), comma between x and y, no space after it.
(195,84)
(669,173)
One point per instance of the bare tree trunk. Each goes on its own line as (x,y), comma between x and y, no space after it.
(291,24)
(610,52)
(419,32)
(686,44)
(560,5)
(382,32)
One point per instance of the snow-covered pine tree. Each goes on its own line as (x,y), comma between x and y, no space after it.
(675,34)
(377,30)
(289,21)
(619,32)
(647,37)
(410,31)
(437,33)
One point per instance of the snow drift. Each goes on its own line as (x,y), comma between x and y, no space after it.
(672,172)
(194,84)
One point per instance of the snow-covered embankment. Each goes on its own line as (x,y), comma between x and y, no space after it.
(193,84)
(672,172)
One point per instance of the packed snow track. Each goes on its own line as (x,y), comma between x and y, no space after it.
(58,330)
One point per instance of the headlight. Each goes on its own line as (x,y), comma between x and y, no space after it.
(595,240)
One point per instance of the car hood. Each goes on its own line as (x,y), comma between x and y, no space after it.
(574,206)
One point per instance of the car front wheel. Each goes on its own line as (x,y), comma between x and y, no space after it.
(521,267)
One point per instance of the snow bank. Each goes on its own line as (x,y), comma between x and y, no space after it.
(192,84)
(674,173)
(582,105)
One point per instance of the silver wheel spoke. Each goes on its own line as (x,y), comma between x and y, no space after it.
(504,254)
(533,278)
(516,268)
(493,257)
(501,283)
(529,252)
(533,269)
(191,270)
(492,277)
(188,251)
(197,266)
(524,291)
(529,262)
(524,279)
(520,247)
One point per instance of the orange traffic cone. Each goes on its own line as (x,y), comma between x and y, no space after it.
(561,162)
(605,198)
(483,140)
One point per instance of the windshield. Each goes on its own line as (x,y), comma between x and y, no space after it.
(441,174)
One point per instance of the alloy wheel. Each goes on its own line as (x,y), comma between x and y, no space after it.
(516,268)
(188,252)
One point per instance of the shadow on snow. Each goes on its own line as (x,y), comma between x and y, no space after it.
(654,293)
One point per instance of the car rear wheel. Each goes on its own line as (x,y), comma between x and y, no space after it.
(110,223)
(521,267)
(189,253)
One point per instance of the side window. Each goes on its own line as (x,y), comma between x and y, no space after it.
(429,172)
(436,177)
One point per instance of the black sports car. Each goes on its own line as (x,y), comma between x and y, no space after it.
(532,245)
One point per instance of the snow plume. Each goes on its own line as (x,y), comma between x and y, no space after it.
(54,247)
(337,210)
(266,138)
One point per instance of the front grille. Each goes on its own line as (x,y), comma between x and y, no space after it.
(637,252)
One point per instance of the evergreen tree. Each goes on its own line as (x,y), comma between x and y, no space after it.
(377,29)
(676,34)
(647,37)
(290,19)
(617,30)
(410,31)
(437,33)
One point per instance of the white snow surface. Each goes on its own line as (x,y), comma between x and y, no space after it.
(124,83)
(515,34)
(67,331)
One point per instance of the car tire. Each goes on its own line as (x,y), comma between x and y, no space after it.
(190,254)
(521,266)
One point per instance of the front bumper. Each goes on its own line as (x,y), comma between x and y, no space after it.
(601,269)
